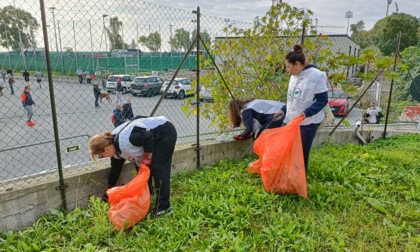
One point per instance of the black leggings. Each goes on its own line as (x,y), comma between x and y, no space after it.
(159,182)
(307,133)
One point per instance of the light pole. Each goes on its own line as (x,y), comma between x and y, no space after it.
(227,20)
(387,7)
(349,14)
(61,50)
(106,43)
(52,9)
(170,38)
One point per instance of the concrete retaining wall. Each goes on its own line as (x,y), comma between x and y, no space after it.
(21,207)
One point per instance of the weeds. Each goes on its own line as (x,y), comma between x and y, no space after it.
(361,198)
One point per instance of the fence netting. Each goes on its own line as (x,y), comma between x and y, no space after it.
(144,43)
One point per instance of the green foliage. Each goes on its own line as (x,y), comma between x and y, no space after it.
(361,198)
(113,31)
(385,33)
(153,41)
(15,20)
(408,68)
(252,62)
(181,41)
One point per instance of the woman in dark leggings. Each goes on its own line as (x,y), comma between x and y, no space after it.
(307,95)
(150,141)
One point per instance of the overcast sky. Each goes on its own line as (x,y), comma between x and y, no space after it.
(328,12)
(140,18)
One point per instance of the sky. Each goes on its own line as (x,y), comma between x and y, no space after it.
(140,18)
(328,12)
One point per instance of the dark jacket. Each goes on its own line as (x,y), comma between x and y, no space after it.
(127,111)
(119,86)
(27,99)
(118,117)
(26,75)
(96,90)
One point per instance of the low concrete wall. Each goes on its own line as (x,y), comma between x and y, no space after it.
(21,207)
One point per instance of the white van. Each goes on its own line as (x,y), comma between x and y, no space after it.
(111,83)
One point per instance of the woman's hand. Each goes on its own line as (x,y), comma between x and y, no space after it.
(303,115)
(147,159)
(278,115)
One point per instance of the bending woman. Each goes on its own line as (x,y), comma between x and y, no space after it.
(257,115)
(136,141)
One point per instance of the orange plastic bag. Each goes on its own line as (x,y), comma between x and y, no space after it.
(130,203)
(281,164)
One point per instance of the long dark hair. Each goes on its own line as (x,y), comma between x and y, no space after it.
(296,56)
(235,107)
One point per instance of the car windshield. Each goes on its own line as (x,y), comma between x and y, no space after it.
(336,94)
(140,80)
(112,78)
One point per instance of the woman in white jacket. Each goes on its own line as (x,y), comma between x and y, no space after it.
(150,141)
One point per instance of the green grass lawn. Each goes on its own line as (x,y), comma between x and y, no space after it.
(361,198)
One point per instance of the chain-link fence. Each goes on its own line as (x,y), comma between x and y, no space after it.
(157,45)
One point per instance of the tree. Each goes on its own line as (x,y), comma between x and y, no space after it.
(205,36)
(181,40)
(113,31)
(15,22)
(385,32)
(358,34)
(153,41)
(252,62)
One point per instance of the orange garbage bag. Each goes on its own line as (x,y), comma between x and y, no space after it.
(130,203)
(281,164)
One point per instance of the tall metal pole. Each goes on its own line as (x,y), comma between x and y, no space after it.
(91,47)
(170,38)
(397,54)
(106,43)
(349,14)
(61,49)
(52,9)
(74,38)
(62,186)
(198,85)
(387,7)
(138,48)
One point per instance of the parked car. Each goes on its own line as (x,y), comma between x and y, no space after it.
(178,89)
(338,100)
(146,86)
(205,94)
(112,83)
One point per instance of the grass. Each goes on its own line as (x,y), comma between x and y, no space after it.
(361,198)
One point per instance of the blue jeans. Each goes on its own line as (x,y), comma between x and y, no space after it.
(11,88)
(96,100)
(307,133)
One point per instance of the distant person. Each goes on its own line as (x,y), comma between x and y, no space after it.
(3,74)
(79,73)
(118,115)
(127,110)
(96,93)
(10,71)
(11,81)
(373,114)
(27,103)
(256,115)
(26,77)
(87,74)
(118,90)
(38,76)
